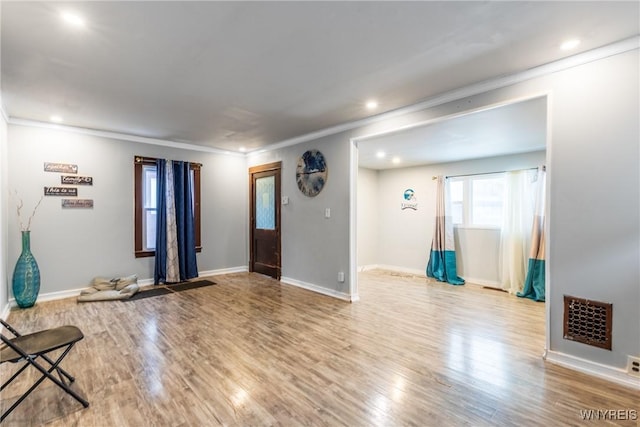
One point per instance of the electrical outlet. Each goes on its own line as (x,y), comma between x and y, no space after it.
(633,366)
(341,277)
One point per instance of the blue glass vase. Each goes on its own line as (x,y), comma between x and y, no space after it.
(26,275)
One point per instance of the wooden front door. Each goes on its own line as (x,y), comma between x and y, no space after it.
(265,219)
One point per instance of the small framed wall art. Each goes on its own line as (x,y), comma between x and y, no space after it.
(61,191)
(77,203)
(60,167)
(76,180)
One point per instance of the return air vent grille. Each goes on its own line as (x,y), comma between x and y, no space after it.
(588,322)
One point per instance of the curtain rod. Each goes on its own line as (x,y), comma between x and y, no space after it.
(544,168)
(142,159)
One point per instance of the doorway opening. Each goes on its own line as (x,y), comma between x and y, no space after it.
(389,165)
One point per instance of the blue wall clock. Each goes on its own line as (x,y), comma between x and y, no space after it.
(311,173)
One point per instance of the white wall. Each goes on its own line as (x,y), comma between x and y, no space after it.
(404,236)
(4,280)
(478,255)
(594,248)
(315,249)
(4,268)
(593,217)
(367,217)
(594,205)
(595,226)
(74,245)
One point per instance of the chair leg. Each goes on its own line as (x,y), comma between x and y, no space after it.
(54,366)
(24,396)
(45,374)
(59,369)
(14,376)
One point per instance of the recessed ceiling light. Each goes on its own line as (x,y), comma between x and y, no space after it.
(56,119)
(570,44)
(242,149)
(381,154)
(371,105)
(395,160)
(73,19)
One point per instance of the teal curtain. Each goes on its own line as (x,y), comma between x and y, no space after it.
(442,259)
(534,283)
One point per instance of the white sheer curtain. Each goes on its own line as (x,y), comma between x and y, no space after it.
(515,239)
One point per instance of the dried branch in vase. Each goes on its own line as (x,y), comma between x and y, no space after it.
(19,206)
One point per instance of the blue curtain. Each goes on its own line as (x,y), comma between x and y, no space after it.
(184,217)
(175,227)
(159,274)
(442,259)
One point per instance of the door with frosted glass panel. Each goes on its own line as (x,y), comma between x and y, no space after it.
(265,219)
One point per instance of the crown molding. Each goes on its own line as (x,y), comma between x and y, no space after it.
(122,136)
(596,54)
(603,52)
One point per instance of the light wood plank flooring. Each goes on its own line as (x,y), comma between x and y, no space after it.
(250,351)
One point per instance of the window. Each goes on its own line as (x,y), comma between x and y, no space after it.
(149,207)
(145,172)
(487,198)
(477,200)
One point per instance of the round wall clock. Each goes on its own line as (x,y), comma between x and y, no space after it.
(311,173)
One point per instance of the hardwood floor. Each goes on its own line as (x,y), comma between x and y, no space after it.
(250,351)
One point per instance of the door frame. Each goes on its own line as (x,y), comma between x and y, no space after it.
(269,167)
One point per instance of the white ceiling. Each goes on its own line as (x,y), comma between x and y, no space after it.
(515,128)
(232,74)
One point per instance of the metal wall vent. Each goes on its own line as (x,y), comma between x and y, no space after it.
(588,322)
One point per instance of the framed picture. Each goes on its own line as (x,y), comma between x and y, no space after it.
(76,180)
(77,203)
(60,167)
(60,191)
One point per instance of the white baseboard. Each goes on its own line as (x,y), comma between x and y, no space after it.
(5,311)
(616,375)
(423,273)
(407,270)
(482,282)
(230,270)
(395,268)
(315,288)
(51,296)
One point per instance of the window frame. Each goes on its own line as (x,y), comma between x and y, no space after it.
(467,200)
(139,163)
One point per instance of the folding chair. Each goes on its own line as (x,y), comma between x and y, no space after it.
(31,348)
